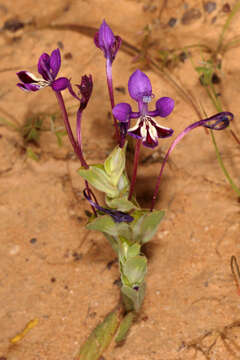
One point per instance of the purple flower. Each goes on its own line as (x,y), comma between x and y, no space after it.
(48,67)
(106,41)
(146,128)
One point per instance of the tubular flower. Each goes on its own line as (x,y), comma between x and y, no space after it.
(146,128)
(106,41)
(48,67)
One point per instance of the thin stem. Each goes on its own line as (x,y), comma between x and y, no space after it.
(79,139)
(76,146)
(231,182)
(77,149)
(135,166)
(111,95)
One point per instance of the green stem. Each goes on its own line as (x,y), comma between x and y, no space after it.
(213,96)
(233,185)
(226,25)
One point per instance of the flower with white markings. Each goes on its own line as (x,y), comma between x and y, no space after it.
(146,128)
(48,67)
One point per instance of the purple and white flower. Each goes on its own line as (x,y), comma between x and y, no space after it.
(48,67)
(146,128)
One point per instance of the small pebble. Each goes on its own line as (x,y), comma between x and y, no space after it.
(210,6)
(226,8)
(190,16)
(117,282)
(183,56)
(60,45)
(121,89)
(172,22)
(33,241)
(13,25)
(15,249)
(77,256)
(68,56)
(216,79)
(53,279)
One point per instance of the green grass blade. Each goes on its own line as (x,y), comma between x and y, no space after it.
(125,327)
(100,338)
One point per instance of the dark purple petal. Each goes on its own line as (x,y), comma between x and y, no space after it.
(44,66)
(85,89)
(29,87)
(55,62)
(135,131)
(115,47)
(26,77)
(164,106)
(122,112)
(150,141)
(162,131)
(139,85)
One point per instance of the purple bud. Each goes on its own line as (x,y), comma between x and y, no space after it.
(106,41)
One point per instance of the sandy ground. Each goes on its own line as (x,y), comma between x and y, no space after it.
(55,270)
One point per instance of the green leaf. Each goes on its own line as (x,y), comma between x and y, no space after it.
(105,224)
(123,185)
(145,225)
(135,269)
(126,251)
(124,327)
(135,296)
(99,339)
(121,204)
(133,250)
(97,177)
(115,164)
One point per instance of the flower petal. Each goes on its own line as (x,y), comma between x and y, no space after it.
(135,131)
(139,86)
(122,112)
(60,84)
(164,106)
(44,66)
(27,78)
(106,38)
(149,134)
(29,87)
(162,131)
(55,62)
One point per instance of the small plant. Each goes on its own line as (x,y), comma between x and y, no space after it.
(126,226)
